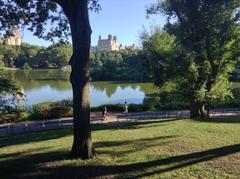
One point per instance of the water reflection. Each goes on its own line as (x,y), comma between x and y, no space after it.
(54,85)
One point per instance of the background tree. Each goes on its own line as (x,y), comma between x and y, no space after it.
(63,16)
(28,54)
(208,34)
(126,65)
(59,54)
(161,53)
(10,53)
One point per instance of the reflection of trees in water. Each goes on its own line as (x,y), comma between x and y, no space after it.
(59,80)
(34,79)
(146,88)
(109,88)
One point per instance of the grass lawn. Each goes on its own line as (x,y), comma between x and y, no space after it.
(153,149)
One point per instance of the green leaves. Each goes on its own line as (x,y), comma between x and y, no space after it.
(207,34)
(160,51)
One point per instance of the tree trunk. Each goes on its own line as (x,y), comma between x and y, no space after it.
(77,13)
(198,110)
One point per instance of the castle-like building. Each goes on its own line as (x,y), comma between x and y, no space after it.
(109,44)
(13,38)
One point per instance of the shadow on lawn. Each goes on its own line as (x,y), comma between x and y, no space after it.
(221,119)
(136,170)
(18,139)
(41,164)
(34,160)
(126,147)
(38,163)
(132,125)
(9,140)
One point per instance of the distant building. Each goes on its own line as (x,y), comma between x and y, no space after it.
(110,44)
(12,38)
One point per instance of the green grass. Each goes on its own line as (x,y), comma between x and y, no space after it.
(153,149)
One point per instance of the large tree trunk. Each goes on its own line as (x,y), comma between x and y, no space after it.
(77,13)
(198,110)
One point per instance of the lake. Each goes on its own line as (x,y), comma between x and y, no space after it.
(53,85)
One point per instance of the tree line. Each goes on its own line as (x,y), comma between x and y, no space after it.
(121,65)
(115,65)
(54,56)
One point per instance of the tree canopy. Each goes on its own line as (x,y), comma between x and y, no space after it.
(207,35)
(35,15)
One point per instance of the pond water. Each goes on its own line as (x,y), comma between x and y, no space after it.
(54,85)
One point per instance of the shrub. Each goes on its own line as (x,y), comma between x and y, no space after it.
(229,102)
(49,110)
(171,100)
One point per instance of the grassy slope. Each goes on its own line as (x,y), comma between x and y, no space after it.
(154,149)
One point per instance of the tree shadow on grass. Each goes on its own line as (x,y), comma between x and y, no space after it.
(18,139)
(131,142)
(33,159)
(41,163)
(133,125)
(138,169)
(220,119)
(25,163)
(126,147)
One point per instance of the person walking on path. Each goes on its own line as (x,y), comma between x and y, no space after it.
(125,107)
(104,113)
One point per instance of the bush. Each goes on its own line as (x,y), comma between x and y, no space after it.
(50,110)
(170,101)
(229,102)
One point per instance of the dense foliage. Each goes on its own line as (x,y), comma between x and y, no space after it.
(118,65)
(115,65)
(56,55)
(201,51)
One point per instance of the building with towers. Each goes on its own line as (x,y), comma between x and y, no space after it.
(12,38)
(109,44)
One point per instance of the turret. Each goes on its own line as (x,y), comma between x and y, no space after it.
(109,37)
(115,38)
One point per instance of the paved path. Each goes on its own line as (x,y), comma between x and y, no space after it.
(111,118)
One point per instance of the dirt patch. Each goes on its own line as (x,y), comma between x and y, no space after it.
(228,164)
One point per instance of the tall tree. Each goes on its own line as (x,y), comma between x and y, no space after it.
(208,33)
(62,14)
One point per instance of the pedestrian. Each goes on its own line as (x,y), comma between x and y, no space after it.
(104,112)
(125,107)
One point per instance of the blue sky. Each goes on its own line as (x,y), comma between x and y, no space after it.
(124,18)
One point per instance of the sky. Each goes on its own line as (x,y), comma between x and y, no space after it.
(123,18)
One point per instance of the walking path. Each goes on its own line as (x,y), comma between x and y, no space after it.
(111,118)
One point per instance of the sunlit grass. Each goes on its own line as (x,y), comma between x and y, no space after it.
(153,149)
